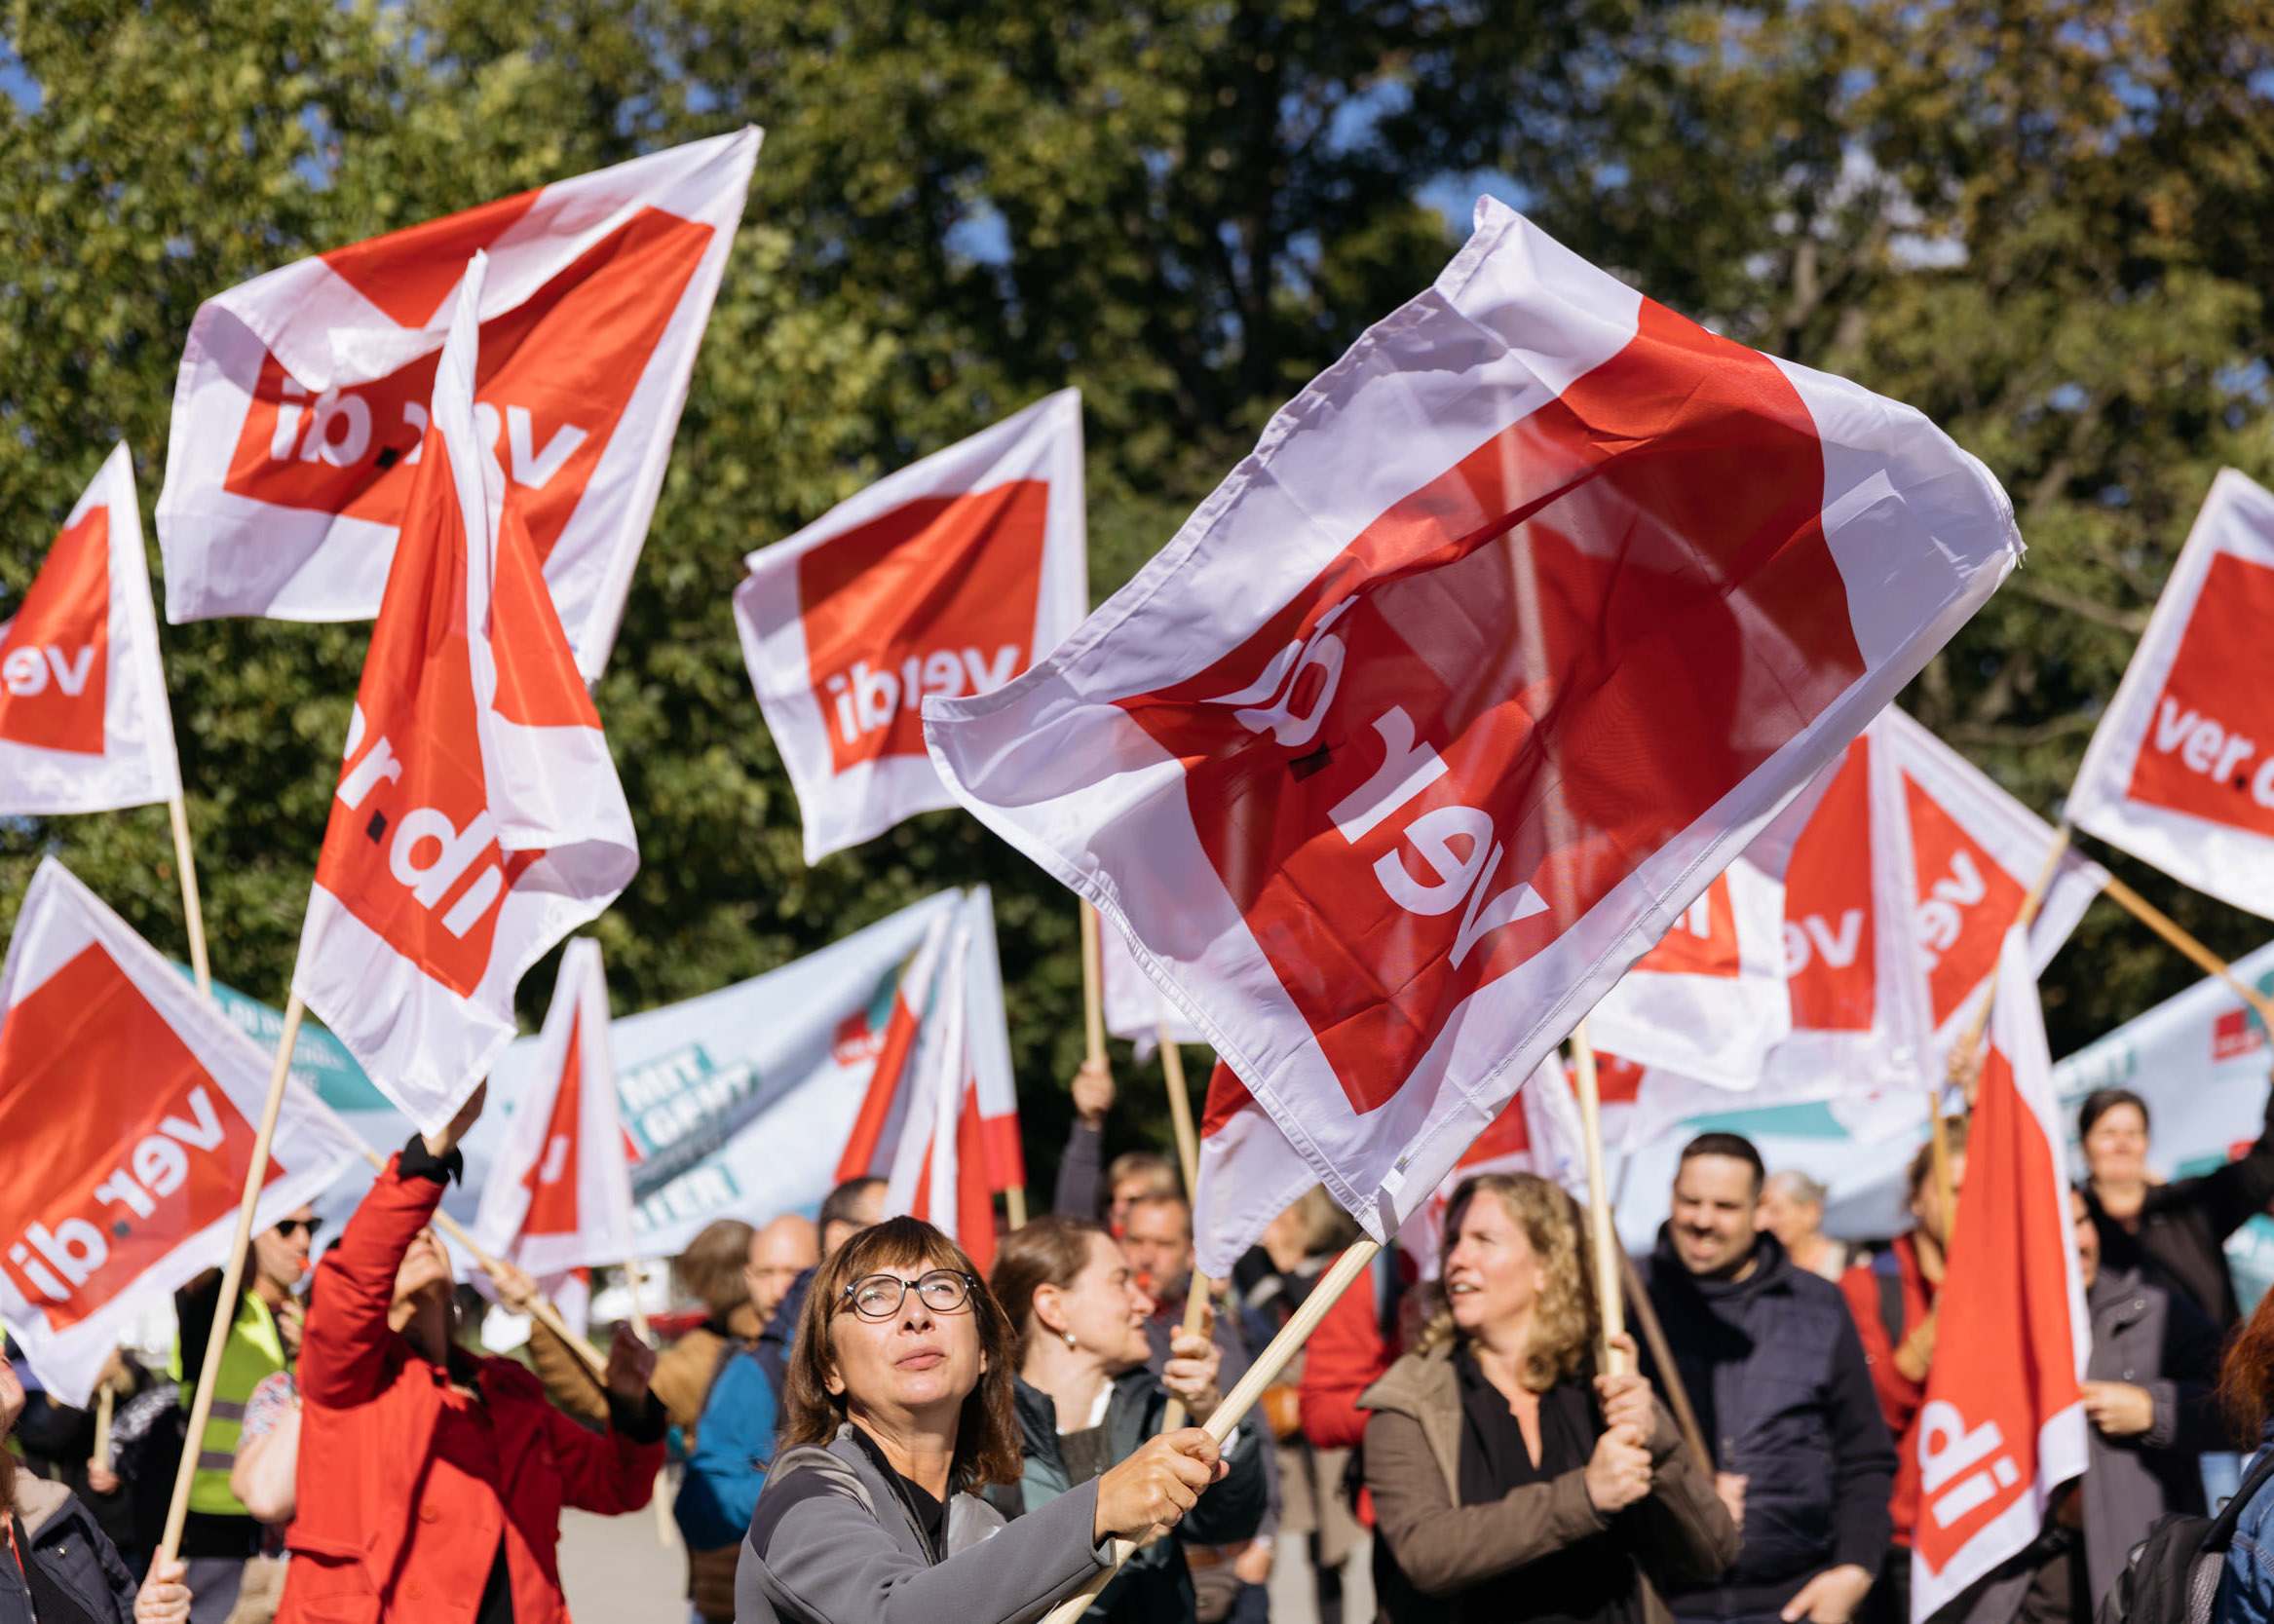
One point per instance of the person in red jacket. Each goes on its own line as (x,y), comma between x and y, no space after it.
(432,1480)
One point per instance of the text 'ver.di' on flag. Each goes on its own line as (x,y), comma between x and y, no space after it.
(1518,625)
(84,723)
(949,577)
(2003,1422)
(559,1195)
(301,411)
(2180,770)
(129,1104)
(478,818)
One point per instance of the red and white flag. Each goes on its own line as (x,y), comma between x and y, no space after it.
(1975,854)
(300,410)
(2180,770)
(949,577)
(1709,1000)
(558,1193)
(896,1048)
(84,723)
(129,1104)
(1520,624)
(478,818)
(2003,1423)
(958,1143)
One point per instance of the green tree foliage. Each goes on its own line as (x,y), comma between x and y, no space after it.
(2042,222)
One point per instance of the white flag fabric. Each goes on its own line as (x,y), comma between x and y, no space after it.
(2003,1422)
(559,1195)
(129,1104)
(1134,1007)
(949,577)
(987,1045)
(478,818)
(84,722)
(1975,854)
(885,1100)
(300,410)
(2180,770)
(1709,1002)
(1461,689)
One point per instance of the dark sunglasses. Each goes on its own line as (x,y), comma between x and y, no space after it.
(291,1226)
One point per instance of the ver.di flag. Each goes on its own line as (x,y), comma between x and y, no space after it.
(2003,1422)
(300,410)
(2180,770)
(557,1195)
(129,1104)
(949,577)
(84,723)
(478,818)
(1975,854)
(1519,625)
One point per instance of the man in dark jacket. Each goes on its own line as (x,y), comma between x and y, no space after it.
(1769,1355)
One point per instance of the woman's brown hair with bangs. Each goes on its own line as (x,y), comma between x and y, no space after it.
(1562,1344)
(987,1438)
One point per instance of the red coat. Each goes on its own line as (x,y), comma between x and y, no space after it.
(405,1484)
(1899,1397)
(1348,1353)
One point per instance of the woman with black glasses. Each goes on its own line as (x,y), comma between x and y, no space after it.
(897,1411)
(1087,1402)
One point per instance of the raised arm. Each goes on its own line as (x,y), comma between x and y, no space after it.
(343,1350)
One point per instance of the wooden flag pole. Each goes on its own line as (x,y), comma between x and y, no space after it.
(541,1308)
(1094,997)
(193,916)
(105,1402)
(232,1277)
(1179,1113)
(1197,1293)
(640,1314)
(1242,1398)
(1014,1206)
(1669,1372)
(2177,936)
(1605,1237)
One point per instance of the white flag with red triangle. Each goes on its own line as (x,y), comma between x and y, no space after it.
(2180,770)
(301,411)
(478,818)
(1519,625)
(883,1101)
(2003,1422)
(129,1104)
(558,1193)
(84,722)
(1976,851)
(949,577)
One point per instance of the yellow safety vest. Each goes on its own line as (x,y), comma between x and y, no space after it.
(252,1354)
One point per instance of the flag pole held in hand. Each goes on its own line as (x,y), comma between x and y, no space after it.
(1180,1110)
(1094,997)
(1610,1360)
(1242,1398)
(232,1277)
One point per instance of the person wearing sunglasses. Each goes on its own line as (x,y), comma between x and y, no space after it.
(897,1412)
(221,1535)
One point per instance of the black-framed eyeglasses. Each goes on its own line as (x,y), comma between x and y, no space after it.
(291,1226)
(945,1291)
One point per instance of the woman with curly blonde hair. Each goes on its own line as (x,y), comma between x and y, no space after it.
(1510,1481)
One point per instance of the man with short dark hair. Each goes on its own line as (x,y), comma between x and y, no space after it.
(1769,1355)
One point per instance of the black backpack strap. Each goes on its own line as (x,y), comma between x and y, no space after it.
(1888,1276)
(2223,1526)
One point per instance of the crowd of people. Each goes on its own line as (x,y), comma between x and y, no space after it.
(867,1428)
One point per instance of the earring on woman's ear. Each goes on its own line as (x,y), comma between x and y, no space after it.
(1070,1338)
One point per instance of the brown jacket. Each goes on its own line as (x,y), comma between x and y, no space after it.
(1442,1548)
(681,1382)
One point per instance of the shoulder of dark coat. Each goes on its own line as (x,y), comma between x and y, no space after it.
(1411,1383)
(808,1472)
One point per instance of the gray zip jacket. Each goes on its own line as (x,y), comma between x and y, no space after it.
(833,1543)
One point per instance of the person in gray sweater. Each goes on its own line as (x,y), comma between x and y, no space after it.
(896,1412)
